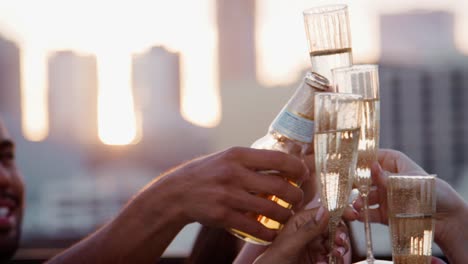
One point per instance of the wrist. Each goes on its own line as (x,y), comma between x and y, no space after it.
(161,202)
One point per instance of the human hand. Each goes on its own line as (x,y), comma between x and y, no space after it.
(389,161)
(304,239)
(450,233)
(219,189)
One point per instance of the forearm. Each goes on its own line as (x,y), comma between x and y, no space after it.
(140,234)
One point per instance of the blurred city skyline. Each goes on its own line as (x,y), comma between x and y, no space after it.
(255,56)
(132,27)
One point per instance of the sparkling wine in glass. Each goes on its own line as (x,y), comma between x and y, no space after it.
(363,79)
(411,206)
(337,117)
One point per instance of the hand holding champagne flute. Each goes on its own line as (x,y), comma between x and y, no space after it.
(337,129)
(364,80)
(450,233)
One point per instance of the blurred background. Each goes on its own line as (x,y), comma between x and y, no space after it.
(103,96)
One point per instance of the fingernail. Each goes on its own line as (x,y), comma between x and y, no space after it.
(319,214)
(343,237)
(341,250)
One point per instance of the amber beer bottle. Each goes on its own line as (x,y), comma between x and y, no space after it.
(290,132)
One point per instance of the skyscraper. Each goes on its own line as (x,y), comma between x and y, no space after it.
(423,89)
(10,94)
(418,38)
(72,80)
(236,33)
(167,139)
(156,82)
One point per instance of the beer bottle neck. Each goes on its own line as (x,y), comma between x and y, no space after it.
(296,119)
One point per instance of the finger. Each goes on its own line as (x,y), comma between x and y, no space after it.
(350,214)
(379,175)
(379,179)
(316,224)
(249,225)
(373,199)
(375,214)
(397,162)
(263,183)
(339,252)
(301,229)
(261,159)
(435,260)
(387,159)
(259,205)
(341,242)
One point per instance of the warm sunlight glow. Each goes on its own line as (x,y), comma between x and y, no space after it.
(186,27)
(33,96)
(113,31)
(116,117)
(281,48)
(201,103)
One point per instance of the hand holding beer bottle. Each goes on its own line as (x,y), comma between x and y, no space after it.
(221,189)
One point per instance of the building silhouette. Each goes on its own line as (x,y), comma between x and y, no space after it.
(167,138)
(10,90)
(156,83)
(72,82)
(419,38)
(423,89)
(236,34)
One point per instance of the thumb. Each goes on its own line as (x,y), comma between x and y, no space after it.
(302,228)
(379,176)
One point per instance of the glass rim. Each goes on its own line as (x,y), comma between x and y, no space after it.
(356,68)
(412,176)
(325,9)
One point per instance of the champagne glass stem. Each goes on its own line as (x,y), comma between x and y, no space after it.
(367,229)
(332,225)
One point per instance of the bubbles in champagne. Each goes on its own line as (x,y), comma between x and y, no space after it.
(409,259)
(412,236)
(336,154)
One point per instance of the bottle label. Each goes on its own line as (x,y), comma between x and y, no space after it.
(294,127)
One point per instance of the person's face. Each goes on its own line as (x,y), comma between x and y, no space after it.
(11,197)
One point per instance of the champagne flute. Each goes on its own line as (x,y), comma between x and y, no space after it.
(337,117)
(329,38)
(364,80)
(411,206)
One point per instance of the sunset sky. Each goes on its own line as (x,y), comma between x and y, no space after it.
(113,30)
